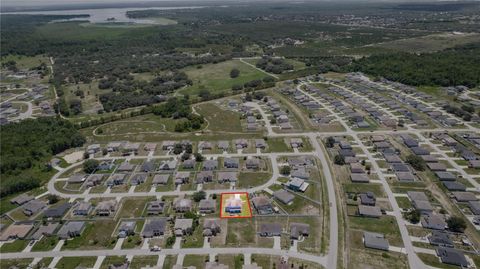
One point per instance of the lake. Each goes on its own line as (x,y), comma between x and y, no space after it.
(102,15)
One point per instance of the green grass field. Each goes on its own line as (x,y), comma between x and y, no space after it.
(75,262)
(15,246)
(142,261)
(430,43)
(216,77)
(26,62)
(219,119)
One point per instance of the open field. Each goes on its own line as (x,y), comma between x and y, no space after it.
(216,77)
(431,43)
(219,119)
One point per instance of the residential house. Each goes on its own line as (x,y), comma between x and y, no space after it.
(231,162)
(284,196)
(433,221)
(224,145)
(298,230)
(368,198)
(154,227)
(296,142)
(150,147)
(210,165)
(16,231)
(155,207)
(207,206)
(57,211)
(182,205)
(440,239)
(168,165)
(22,199)
(148,167)
(270,229)
(211,227)
(375,241)
(188,164)
(183,227)
(260,144)
(369,211)
(452,256)
(33,207)
(126,228)
(82,208)
(297,184)
(77,179)
(71,229)
(252,163)
(105,208)
(138,179)
(93,180)
(182,177)
(224,177)
(204,177)
(464,196)
(160,179)
(262,205)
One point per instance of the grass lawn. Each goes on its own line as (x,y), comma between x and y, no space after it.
(15,246)
(170,261)
(195,240)
(232,261)
(403,202)
(216,77)
(46,243)
(144,123)
(5,204)
(109,260)
(241,232)
(377,189)
(19,263)
(197,261)
(433,260)
(18,215)
(26,62)
(74,262)
(385,225)
(134,241)
(133,208)
(139,262)
(43,263)
(277,145)
(219,119)
(248,179)
(97,235)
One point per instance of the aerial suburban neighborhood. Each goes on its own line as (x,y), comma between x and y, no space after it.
(302,161)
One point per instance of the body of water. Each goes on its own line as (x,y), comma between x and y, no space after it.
(103,15)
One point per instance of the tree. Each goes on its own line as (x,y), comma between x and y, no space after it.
(52,199)
(198,157)
(339,159)
(90,165)
(413,216)
(330,142)
(285,170)
(456,224)
(416,162)
(199,195)
(234,73)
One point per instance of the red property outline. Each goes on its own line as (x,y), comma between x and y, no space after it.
(234,217)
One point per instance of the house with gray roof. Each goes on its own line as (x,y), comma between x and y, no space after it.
(284,196)
(33,207)
(160,179)
(224,145)
(105,208)
(270,229)
(211,227)
(452,256)
(94,180)
(252,163)
(260,143)
(465,196)
(148,166)
(262,205)
(183,227)
(138,179)
(417,195)
(182,177)
(126,228)
(224,177)
(231,162)
(45,230)
(367,198)
(71,229)
(375,241)
(82,208)
(188,164)
(181,205)
(474,207)
(155,207)
(168,165)
(57,211)
(125,167)
(204,177)
(22,199)
(210,165)
(445,176)
(77,179)
(433,221)
(298,230)
(300,172)
(425,207)
(454,186)
(154,227)
(207,206)
(441,239)
(360,178)
(369,211)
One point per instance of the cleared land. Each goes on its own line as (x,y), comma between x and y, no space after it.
(216,77)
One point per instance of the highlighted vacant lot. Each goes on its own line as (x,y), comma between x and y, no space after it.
(235,205)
